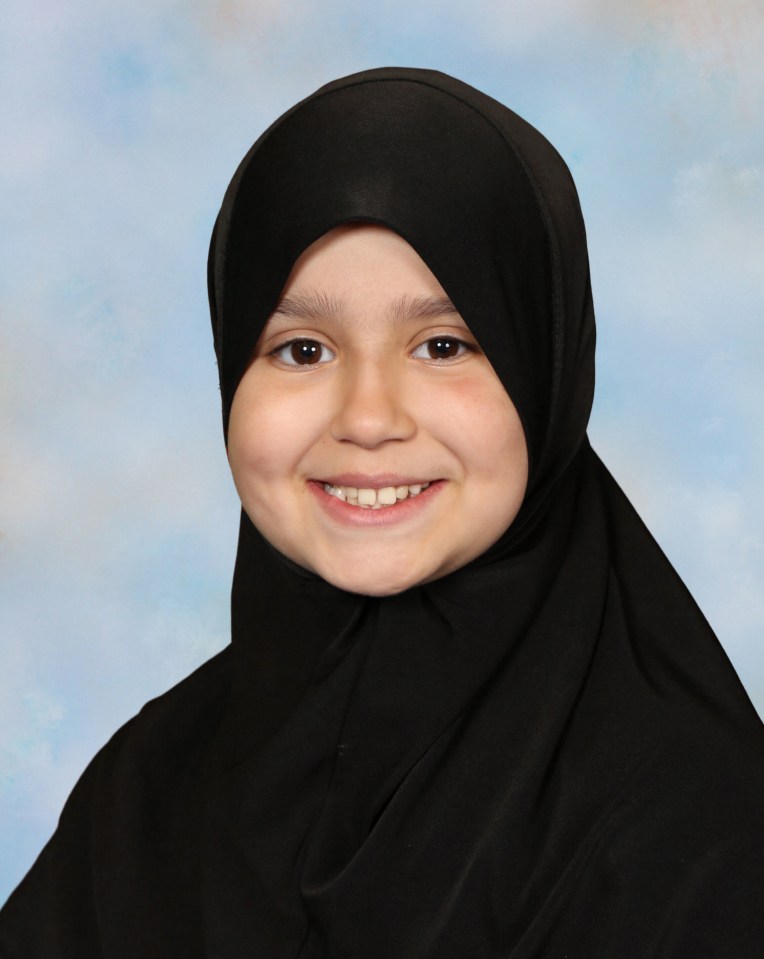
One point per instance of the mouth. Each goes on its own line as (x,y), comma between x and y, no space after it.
(362,502)
(369,497)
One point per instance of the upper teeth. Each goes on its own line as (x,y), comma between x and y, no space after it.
(374,498)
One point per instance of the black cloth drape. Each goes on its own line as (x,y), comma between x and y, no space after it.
(543,754)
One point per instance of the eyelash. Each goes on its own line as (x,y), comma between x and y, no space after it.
(463,349)
(289,343)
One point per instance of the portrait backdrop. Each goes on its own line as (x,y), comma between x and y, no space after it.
(123,122)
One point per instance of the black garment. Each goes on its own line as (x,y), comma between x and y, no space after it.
(543,754)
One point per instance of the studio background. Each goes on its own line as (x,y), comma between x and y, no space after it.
(122,124)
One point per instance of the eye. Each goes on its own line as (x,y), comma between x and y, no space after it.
(442,348)
(302,352)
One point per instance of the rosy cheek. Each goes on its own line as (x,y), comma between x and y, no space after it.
(270,436)
(261,455)
(479,402)
(493,443)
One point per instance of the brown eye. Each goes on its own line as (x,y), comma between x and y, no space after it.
(441,348)
(303,352)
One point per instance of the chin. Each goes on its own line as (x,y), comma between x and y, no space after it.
(372,585)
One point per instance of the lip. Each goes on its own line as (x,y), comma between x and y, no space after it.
(373,480)
(356,516)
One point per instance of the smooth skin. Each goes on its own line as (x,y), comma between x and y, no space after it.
(366,374)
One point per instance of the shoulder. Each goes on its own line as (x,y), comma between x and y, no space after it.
(193,703)
(170,734)
(674,866)
(696,794)
(129,815)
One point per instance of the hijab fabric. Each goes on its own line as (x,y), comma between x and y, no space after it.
(543,754)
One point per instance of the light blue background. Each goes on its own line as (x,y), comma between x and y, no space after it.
(122,123)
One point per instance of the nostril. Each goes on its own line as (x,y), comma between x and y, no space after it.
(372,411)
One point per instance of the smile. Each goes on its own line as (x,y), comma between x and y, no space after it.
(368,498)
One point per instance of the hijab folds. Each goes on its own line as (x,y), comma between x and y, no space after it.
(543,754)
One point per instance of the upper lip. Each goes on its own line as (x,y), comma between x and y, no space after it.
(374,480)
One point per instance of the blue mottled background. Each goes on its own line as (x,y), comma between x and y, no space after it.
(122,123)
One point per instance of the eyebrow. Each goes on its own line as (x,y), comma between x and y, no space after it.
(313,304)
(305,306)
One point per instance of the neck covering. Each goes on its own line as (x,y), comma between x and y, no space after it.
(545,753)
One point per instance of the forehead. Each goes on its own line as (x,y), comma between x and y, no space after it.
(366,269)
(362,255)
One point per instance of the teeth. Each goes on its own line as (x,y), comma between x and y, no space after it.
(374,498)
(386,496)
(366,497)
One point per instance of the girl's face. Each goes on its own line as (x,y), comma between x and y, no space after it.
(370,439)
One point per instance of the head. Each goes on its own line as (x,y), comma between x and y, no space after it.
(370,439)
(388,213)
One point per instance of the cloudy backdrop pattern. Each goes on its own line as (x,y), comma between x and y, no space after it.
(122,123)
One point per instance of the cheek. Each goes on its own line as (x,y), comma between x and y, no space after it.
(268,432)
(480,423)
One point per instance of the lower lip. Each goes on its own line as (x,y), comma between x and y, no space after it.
(399,512)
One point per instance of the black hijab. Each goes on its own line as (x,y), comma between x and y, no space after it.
(543,754)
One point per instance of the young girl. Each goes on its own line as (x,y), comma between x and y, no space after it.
(468,709)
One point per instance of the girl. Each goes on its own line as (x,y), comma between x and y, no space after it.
(468,709)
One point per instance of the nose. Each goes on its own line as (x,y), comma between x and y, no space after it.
(371,407)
